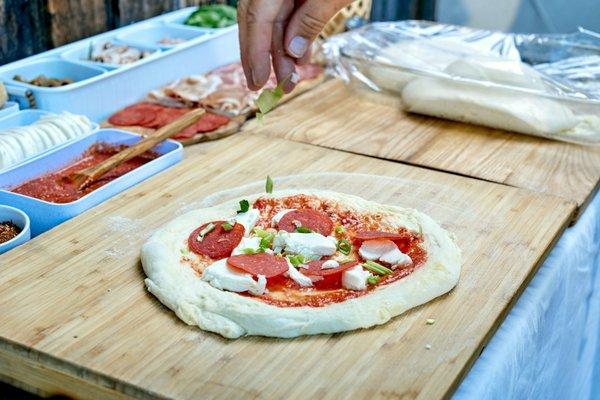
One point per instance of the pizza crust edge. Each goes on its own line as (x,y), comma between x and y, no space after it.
(196,302)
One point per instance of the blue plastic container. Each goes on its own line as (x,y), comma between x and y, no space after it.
(10,107)
(151,35)
(45,215)
(20,219)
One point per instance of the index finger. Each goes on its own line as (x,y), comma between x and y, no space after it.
(256,19)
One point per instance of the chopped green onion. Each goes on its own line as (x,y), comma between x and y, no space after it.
(250,251)
(430,321)
(244,206)
(344,246)
(261,233)
(296,260)
(377,268)
(269,98)
(269,185)
(303,229)
(340,229)
(184,252)
(227,226)
(266,241)
(208,228)
(373,280)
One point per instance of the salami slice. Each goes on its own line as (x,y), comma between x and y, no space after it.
(165,116)
(315,268)
(208,123)
(265,264)
(217,243)
(316,221)
(132,117)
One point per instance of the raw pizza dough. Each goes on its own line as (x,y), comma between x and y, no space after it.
(232,315)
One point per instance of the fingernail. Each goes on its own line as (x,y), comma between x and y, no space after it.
(294,78)
(298,46)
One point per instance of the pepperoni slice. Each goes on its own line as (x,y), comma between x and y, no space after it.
(217,243)
(165,116)
(314,220)
(208,123)
(132,117)
(265,264)
(315,268)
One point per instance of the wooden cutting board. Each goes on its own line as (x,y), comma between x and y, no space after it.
(77,320)
(336,117)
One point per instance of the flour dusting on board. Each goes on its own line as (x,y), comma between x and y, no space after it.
(130,230)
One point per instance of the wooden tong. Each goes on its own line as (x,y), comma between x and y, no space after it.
(87,176)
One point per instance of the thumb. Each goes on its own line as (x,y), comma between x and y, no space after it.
(307,22)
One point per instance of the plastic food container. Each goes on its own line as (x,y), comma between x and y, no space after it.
(102,89)
(28,117)
(45,215)
(531,84)
(18,218)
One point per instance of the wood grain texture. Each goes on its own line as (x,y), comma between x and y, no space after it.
(24,29)
(336,117)
(91,17)
(74,308)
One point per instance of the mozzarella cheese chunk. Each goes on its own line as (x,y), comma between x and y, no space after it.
(395,258)
(247,243)
(248,219)
(298,276)
(277,217)
(20,143)
(219,275)
(383,250)
(309,244)
(355,278)
(330,264)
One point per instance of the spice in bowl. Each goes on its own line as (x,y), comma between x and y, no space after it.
(8,231)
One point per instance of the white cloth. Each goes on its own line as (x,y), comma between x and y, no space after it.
(548,345)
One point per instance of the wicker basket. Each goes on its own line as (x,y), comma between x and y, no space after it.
(358,8)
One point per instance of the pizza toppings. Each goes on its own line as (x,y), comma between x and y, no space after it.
(247,219)
(294,247)
(298,277)
(265,264)
(355,278)
(316,221)
(308,244)
(223,277)
(384,250)
(215,242)
(277,217)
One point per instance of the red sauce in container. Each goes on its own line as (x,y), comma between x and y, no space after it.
(54,188)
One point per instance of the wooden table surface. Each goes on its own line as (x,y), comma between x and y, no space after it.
(77,320)
(339,118)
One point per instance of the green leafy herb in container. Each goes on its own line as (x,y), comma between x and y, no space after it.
(213,16)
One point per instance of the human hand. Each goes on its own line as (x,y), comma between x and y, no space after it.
(280,31)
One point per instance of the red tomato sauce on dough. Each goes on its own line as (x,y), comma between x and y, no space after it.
(54,188)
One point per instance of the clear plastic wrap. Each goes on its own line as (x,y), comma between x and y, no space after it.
(541,85)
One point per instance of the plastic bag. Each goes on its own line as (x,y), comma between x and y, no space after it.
(542,85)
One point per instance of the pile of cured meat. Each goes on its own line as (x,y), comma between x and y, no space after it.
(223,89)
(154,116)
